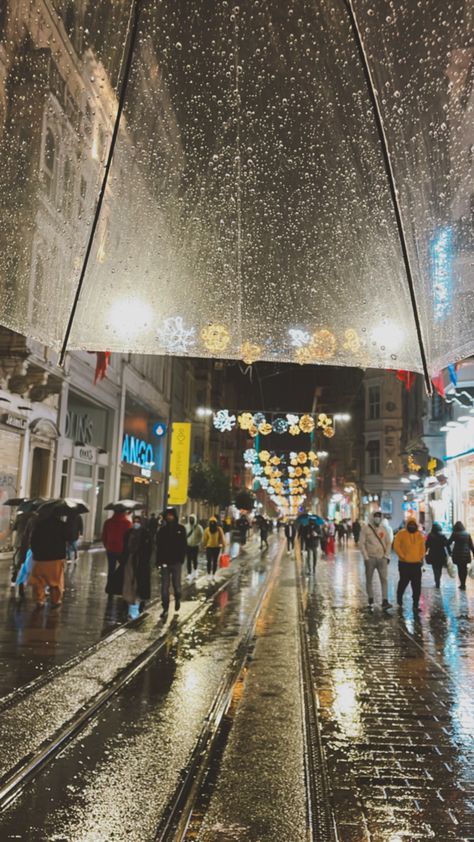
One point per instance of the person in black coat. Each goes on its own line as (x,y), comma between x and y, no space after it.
(437,551)
(461,548)
(136,564)
(290,535)
(171,546)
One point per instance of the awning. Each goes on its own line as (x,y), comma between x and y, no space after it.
(248,211)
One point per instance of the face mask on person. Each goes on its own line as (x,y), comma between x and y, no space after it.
(412,527)
(136,526)
(377,520)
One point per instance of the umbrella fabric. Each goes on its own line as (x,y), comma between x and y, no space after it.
(265,202)
(25,504)
(62,506)
(123,506)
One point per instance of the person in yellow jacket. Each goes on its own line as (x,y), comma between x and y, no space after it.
(213,542)
(409,545)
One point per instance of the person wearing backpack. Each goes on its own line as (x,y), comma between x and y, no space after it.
(374,544)
(462,549)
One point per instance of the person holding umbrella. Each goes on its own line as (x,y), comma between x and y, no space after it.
(48,545)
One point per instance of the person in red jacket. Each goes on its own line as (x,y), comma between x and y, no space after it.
(113,538)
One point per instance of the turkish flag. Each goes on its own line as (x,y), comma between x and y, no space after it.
(406,377)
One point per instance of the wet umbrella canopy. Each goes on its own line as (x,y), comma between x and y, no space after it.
(248,211)
(123,506)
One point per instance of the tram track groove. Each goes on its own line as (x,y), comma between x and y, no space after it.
(322,825)
(180,811)
(14,781)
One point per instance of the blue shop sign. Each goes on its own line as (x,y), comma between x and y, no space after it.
(136,451)
(160,429)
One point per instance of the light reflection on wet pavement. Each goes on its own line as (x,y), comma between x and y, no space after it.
(113,782)
(397,706)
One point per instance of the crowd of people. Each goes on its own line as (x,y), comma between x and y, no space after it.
(44,543)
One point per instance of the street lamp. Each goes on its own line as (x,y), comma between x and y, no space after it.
(342,416)
(203,412)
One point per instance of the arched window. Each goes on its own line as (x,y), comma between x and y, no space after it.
(49,160)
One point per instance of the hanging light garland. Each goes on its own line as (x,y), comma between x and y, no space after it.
(215,337)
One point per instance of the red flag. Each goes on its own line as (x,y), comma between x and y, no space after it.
(438,383)
(101,365)
(406,377)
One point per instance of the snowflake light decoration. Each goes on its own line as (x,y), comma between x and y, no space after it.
(264,482)
(223,421)
(175,337)
(250,455)
(298,337)
(257,470)
(292,419)
(259,418)
(280,426)
(216,337)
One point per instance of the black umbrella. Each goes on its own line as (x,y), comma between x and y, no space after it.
(25,504)
(62,506)
(123,506)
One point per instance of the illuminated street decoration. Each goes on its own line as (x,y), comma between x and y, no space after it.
(245,421)
(351,341)
(223,421)
(250,455)
(280,426)
(442,260)
(216,338)
(299,338)
(175,337)
(264,428)
(294,430)
(250,352)
(307,424)
(328,432)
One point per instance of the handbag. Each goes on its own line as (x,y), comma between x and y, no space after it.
(451,569)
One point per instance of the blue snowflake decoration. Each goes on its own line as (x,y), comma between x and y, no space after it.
(175,337)
(250,455)
(259,418)
(257,470)
(223,421)
(264,482)
(299,338)
(280,426)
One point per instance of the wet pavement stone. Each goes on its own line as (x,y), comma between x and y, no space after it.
(260,789)
(396,702)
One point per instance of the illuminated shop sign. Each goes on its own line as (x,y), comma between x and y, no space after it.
(136,451)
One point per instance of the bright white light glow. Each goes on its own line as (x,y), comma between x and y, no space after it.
(203,412)
(413,477)
(129,316)
(342,416)
(388,335)
(404,479)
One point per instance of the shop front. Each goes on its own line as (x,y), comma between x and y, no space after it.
(85,458)
(460,459)
(142,456)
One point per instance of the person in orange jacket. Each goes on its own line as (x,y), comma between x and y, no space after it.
(409,545)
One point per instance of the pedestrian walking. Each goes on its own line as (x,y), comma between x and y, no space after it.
(75,530)
(409,546)
(312,537)
(48,545)
(263,526)
(356,530)
(290,534)
(213,542)
(113,538)
(136,567)
(437,552)
(22,528)
(194,536)
(461,548)
(171,549)
(375,546)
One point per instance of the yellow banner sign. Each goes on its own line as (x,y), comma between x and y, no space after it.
(179,464)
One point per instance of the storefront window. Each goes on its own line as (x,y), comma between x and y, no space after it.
(99,512)
(467,490)
(82,486)
(9,459)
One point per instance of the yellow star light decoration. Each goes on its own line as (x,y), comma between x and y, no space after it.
(250,352)
(216,337)
(298,472)
(268,470)
(275,460)
(302,457)
(328,432)
(246,421)
(264,456)
(323,344)
(351,340)
(307,424)
(265,429)
(294,430)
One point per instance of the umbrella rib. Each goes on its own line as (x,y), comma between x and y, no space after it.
(133,32)
(392,184)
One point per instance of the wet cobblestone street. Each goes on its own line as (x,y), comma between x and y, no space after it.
(396,705)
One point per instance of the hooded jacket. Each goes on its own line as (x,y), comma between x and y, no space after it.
(409,546)
(194,532)
(462,547)
(436,547)
(171,543)
(214,539)
(375,541)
